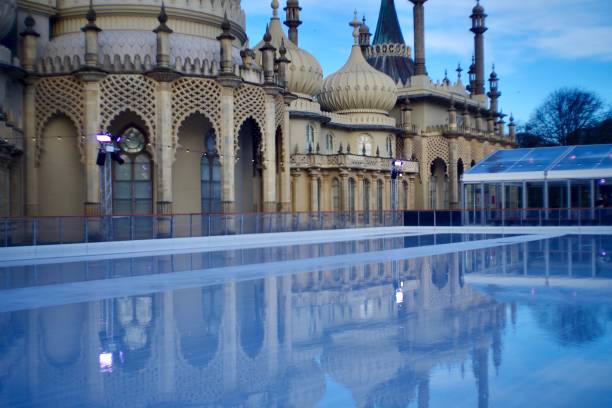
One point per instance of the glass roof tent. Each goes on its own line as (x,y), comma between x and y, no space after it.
(544,163)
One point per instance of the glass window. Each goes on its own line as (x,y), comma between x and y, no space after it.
(365,145)
(389,146)
(335,195)
(210,167)
(379,195)
(309,139)
(132,186)
(351,196)
(366,200)
(329,144)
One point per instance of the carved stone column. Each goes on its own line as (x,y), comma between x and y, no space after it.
(165,155)
(453,155)
(285,175)
(91,97)
(314,190)
(344,190)
(269,159)
(227,137)
(31,156)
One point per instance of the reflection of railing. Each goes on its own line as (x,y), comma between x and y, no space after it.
(512,217)
(351,161)
(64,230)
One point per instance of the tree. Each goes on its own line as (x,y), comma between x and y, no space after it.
(565,114)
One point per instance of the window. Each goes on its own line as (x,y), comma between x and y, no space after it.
(132,181)
(210,167)
(335,195)
(379,198)
(389,146)
(351,198)
(365,145)
(366,200)
(309,138)
(329,144)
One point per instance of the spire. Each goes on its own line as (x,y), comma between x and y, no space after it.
(293,21)
(91,13)
(388,30)
(459,71)
(355,24)
(364,36)
(163,19)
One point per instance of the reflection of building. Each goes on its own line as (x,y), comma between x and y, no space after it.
(210,125)
(266,342)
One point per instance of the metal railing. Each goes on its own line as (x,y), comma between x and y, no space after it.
(528,217)
(18,231)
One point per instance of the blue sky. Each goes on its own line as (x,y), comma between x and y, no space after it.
(537,46)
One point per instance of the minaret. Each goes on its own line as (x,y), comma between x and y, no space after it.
(267,57)
(364,37)
(479,28)
(494,93)
(163,39)
(30,44)
(226,40)
(293,19)
(512,129)
(419,37)
(91,31)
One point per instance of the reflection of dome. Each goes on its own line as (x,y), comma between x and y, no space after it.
(358,87)
(8,12)
(304,74)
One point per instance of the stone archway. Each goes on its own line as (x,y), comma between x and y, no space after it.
(438,185)
(249,168)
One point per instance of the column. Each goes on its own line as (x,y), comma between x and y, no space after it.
(165,155)
(314,196)
(30,137)
(91,83)
(269,160)
(419,37)
(344,193)
(452,173)
(285,175)
(387,192)
(228,190)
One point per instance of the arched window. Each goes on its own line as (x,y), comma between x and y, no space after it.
(366,201)
(351,198)
(210,167)
(132,181)
(365,145)
(389,146)
(379,199)
(329,144)
(335,195)
(309,138)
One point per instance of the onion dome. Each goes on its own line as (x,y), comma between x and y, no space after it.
(478,9)
(358,87)
(304,73)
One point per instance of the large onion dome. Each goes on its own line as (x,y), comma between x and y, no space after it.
(358,87)
(304,74)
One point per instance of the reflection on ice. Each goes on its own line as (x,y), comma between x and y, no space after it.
(394,334)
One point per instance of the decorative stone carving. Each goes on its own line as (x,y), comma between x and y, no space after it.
(196,95)
(249,102)
(135,93)
(59,96)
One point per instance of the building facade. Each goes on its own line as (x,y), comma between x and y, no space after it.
(209,125)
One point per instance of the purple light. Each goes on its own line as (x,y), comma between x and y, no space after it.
(602,182)
(103,138)
(106,362)
(398,163)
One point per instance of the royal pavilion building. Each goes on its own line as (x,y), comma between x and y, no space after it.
(210,122)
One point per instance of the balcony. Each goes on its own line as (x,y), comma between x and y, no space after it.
(349,161)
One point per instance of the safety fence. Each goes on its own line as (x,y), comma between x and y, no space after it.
(17,231)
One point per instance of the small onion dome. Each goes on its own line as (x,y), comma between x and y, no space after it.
(363,28)
(358,87)
(478,9)
(304,73)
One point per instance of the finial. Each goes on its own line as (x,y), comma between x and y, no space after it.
(162,17)
(267,36)
(512,118)
(30,22)
(282,49)
(459,71)
(226,25)
(91,13)
(275,6)
(355,25)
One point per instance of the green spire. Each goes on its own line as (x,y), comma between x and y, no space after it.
(388,30)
